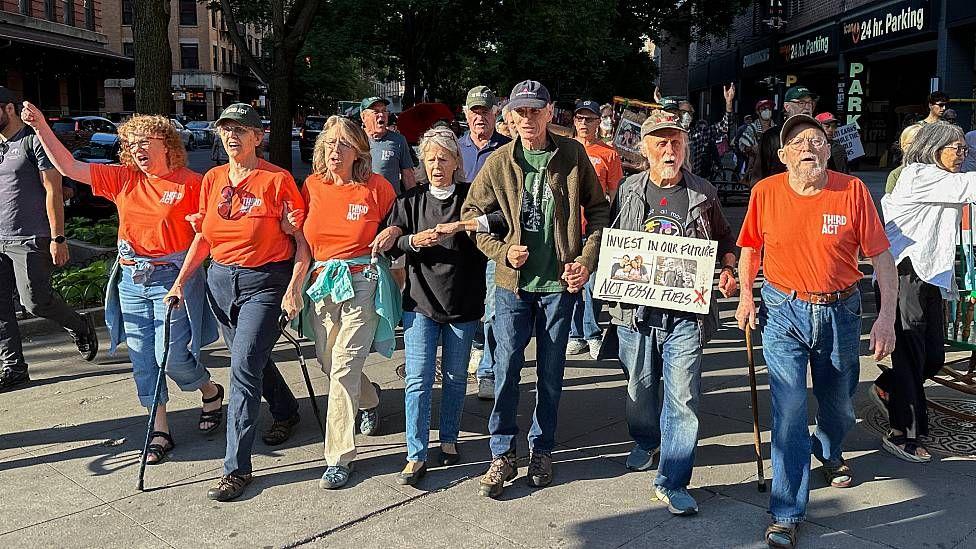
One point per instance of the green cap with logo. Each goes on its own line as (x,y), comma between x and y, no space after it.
(480,96)
(799,92)
(370,101)
(242,113)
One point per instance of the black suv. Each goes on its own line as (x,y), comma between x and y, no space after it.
(311,129)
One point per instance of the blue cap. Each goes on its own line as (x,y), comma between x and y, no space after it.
(530,94)
(591,106)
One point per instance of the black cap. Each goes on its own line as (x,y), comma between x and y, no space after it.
(530,94)
(7,96)
(242,113)
(591,106)
(797,120)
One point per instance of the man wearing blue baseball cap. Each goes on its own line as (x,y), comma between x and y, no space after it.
(540,183)
(390,151)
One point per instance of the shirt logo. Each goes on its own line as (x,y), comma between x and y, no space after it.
(595,160)
(356,211)
(249,202)
(831,222)
(171,197)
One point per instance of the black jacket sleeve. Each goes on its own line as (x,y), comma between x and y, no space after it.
(769,146)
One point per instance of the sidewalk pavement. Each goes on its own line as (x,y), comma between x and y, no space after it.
(69,447)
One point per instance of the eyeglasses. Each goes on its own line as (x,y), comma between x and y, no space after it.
(960,150)
(4,147)
(333,144)
(807,103)
(815,142)
(586,119)
(141,144)
(233,130)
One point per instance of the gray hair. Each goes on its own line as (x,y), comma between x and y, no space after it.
(444,138)
(929,142)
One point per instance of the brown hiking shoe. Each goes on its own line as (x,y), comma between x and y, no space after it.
(502,470)
(540,469)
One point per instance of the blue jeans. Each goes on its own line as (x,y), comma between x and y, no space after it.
(143,312)
(585,314)
(247,303)
(515,316)
(675,352)
(486,370)
(420,337)
(826,337)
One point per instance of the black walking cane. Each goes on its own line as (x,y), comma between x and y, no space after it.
(170,306)
(755,408)
(282,324)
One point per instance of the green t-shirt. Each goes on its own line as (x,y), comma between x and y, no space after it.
(893,179)
(541,271)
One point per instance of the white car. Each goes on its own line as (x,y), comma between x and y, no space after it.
(189,141)
(203,132)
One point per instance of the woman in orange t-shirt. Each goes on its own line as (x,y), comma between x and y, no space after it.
(154,192)
(251,213)
(347,204)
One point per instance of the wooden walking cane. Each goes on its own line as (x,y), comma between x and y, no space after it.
(755,409)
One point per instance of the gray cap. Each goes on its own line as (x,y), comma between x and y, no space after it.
(480,96)
(244,114)
(797,120)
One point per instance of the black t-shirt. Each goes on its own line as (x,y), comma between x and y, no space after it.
(666,209)
(445,282)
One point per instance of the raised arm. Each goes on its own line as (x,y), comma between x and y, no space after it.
(56,152)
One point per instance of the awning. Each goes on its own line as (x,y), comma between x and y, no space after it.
(35,37)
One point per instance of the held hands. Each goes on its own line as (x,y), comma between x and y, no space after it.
(59,253)
(32,116)
(517,255)
(386,239)
(575,276)
(291,220)
(426,239)
(727,284)
(449,228)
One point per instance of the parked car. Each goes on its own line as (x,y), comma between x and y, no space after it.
(311,129)
(102,148)
(296,132)
(76,131)
(189,141)
(203,132)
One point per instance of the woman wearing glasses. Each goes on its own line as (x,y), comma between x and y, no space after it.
(354,303)
(922,214)
(154,192)
(249,207)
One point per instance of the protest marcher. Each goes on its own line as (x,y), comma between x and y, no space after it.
(969,164)
(255,274)
(922,213)
(938,103)
(838,153)
(798,100)
(702,138)
(584,332)
(354,304)
(747,142)
(539,263)
(905,141)
(950,116)
(389,150)
(32,244)
(477,145)
(656,342)
(810,225)
(154,192)
(443,300)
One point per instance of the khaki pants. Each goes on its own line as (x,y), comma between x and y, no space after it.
(343,338)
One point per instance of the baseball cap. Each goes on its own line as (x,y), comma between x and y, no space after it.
(826,118)
(799,92)
(528,93)
(797,120)
(670,102)
(480,96)
(7,96)
(764,104)
(243,113)
(591,106)
(660,120)
(370,101)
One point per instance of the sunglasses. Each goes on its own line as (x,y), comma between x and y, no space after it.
(225,208)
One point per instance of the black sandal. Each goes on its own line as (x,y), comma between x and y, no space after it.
(158,451)
(894,443)
(788,532)
(216,417)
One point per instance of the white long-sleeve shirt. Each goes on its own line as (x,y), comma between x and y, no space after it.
(922,218)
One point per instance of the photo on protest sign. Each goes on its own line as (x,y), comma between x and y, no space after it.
(669,272)
(628,136)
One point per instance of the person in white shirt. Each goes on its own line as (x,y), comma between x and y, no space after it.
(922,216)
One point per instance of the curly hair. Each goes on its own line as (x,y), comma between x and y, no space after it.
(343,128)
(156,126)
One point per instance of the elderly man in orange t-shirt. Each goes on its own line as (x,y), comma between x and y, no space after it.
(810,225)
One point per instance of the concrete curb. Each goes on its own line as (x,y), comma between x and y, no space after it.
(36,326)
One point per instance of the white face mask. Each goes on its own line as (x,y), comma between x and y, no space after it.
(766,114)
(686,120)
(606,123)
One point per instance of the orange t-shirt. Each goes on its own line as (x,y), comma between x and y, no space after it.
(152,214)
(606,162)
(343,220)
(242,224)
(811,243)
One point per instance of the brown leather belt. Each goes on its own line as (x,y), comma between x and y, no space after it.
(130,263)
(817,298)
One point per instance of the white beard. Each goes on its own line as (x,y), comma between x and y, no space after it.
(809,173)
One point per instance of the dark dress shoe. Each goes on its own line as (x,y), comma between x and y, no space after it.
(447,458)
(230,487)
(409,479)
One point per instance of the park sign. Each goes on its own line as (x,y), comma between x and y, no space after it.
(850,138)
(667,272)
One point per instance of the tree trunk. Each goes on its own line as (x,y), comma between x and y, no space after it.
(153,60)
(281,94)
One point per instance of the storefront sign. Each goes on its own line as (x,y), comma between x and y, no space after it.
(855,92)
(755,58)
(850,138)
(809,46)
(895,21)
(669,272)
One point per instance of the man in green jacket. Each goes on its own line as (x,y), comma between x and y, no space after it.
(541,183)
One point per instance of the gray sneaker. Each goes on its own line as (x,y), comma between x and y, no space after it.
(595,345)
(576,346)
(486,389)
(640,459)
(369,420)
(335,476)
(679,501)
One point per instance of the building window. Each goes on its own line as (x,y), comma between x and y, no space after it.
(49,10)
(126,11)
(223,59)
(213,17)
(188,13)
(90,14)
(25,7)
(69,12)
(128,49)
(189,59)
(216,65)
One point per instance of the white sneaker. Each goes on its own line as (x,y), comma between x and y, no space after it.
(595,345)
(576,346)
(475,361)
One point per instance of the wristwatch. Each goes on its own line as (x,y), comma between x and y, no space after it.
(59,239)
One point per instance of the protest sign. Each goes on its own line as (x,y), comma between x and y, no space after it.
(850,138)
(670,272)
(627,139)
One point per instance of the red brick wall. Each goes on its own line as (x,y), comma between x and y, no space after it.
(78,6)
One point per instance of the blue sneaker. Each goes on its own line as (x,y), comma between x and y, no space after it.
(335,476)
(679,501)
(640,459)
